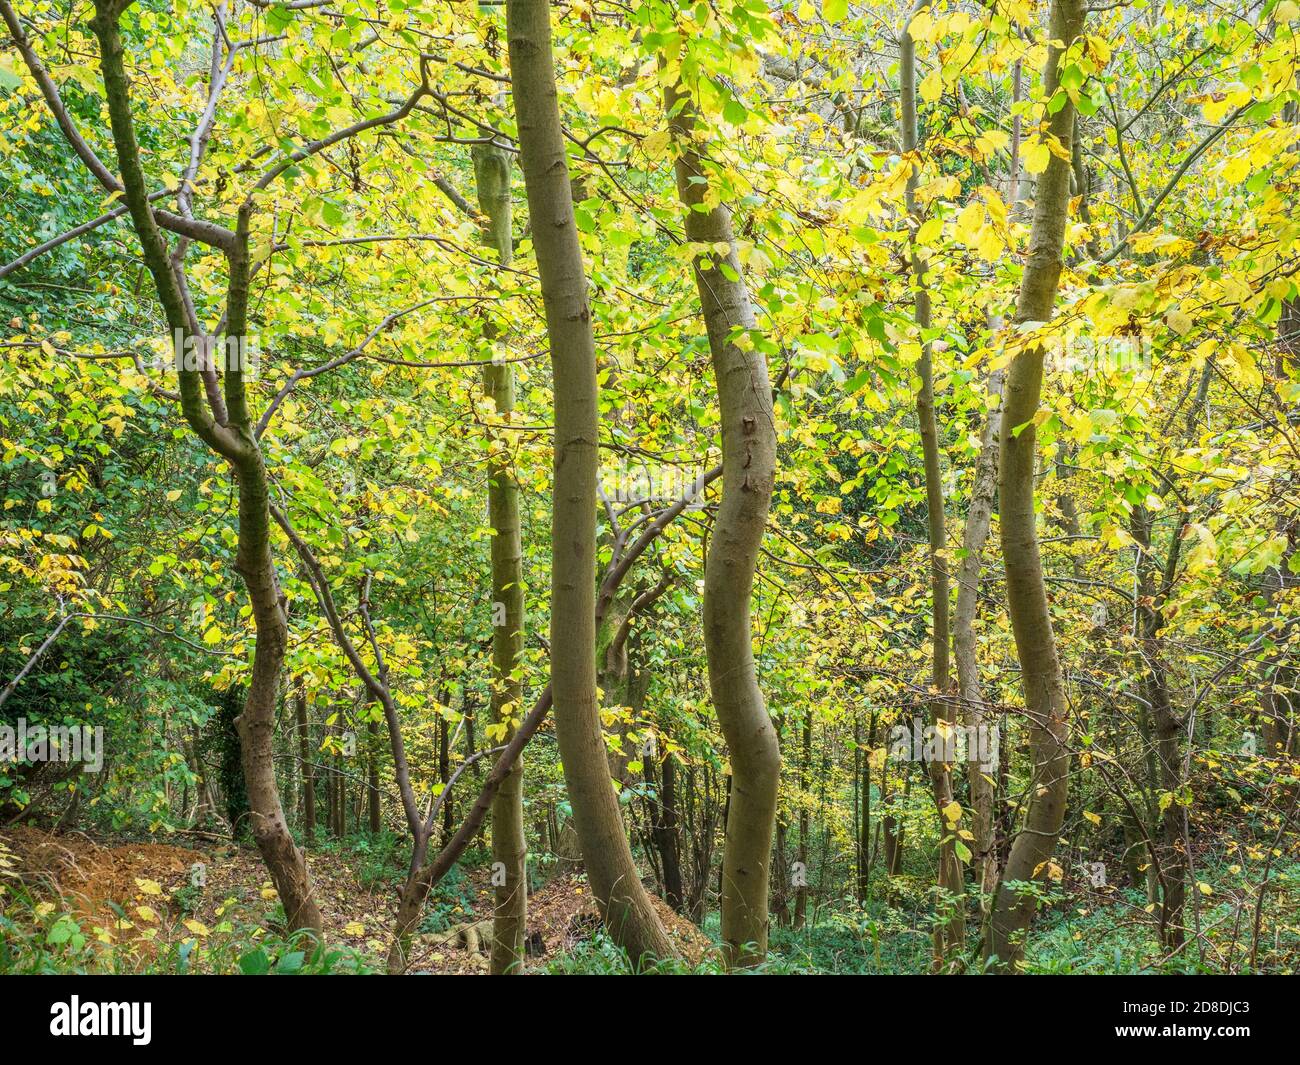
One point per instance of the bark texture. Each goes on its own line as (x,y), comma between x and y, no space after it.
(748,474)
(975,535)
(510,881)
(235,442)
(1032,850)
(622,899)
(949,934)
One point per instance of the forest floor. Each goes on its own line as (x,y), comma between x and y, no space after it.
(141,896)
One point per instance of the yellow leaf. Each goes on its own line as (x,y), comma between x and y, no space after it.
(1057,148)
(1236,169)
(989,244)
(952,812)
(921,28)
(655,143)
(1214,110)
(834,10)
(1204,888)
(969,222)
(1178,321)
(1094,818)
(932,86)
(930,230)
(354,928)
(1054,871)
(197,927)
(1037,156)
(149,887)
(1202,557)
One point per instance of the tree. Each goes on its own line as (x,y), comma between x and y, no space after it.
(492,176)
(1045,707)
(221,418)
(949,934)
(748,472)
(623,901)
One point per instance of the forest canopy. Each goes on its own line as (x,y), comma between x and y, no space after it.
(601,486)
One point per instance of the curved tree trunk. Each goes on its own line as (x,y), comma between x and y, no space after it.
(748,474)
(235,442)
(510,881)
(1031,622)
(622,899)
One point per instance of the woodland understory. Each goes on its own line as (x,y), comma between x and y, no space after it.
(619,486)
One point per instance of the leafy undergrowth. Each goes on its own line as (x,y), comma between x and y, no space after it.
(1120,937)
(75,904)
(69,903)
(72,904)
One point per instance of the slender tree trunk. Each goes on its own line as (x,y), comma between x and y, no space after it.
(1031,853)
(510,882)
(891,828)
(864,818)
(1153,588)
(372,781)
(801,889)
(305,756)
(950,934)
(664,832)
(980,777)
(622,899)
(236,443)
(748,474)
(444,774)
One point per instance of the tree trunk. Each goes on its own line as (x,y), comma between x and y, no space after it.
(891,829)
(236,443)
(622,899)
(979,776)
(1153,587)
(981,781)
(1031,853)
(509,876)
(664,832)
(305,756)
(748,474)
(444,775)
(801,888)
(950,934)
(372,777)
(864,817)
